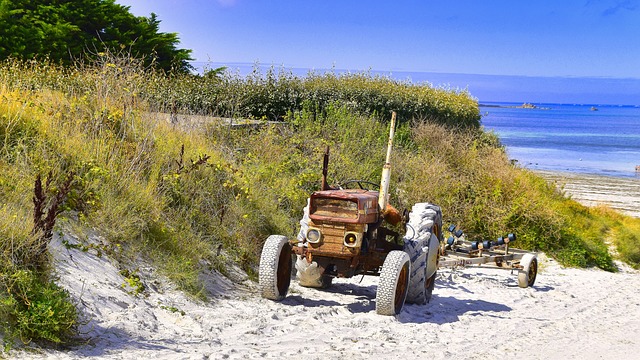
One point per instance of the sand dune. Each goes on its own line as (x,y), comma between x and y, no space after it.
(475,313)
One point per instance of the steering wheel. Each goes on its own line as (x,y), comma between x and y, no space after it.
(362,184)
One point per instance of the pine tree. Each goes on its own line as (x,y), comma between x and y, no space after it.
(66,30)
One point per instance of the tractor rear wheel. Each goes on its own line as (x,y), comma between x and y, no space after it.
(274,275)
(424,226)
(429,285)
(393,283)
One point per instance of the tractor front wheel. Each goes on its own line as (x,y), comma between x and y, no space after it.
(274,275)
(393,283)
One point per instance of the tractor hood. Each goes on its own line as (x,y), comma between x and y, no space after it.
(353,206)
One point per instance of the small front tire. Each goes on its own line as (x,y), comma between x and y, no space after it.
(274,275)
(393,283)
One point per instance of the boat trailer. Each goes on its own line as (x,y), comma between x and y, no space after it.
(456,252)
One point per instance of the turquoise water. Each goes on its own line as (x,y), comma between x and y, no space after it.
(572,138)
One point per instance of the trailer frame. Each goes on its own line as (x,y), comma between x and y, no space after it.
(457,252)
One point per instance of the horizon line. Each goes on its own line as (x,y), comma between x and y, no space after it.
(370,69)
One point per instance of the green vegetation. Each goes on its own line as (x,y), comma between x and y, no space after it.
(181,194)
(278,93)
(69,30)
(36,309)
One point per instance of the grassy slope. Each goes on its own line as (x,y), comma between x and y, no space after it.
(179,195)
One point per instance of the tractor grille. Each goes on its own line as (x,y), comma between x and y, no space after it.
(335,208)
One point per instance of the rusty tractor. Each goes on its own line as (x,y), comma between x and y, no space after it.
(348,230)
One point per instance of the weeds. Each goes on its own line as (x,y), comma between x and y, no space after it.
(132,283)
(33,309)
(46,209)
(173,310)
(32,306)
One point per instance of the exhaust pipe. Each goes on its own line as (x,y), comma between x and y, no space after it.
(325,167)
(383,198)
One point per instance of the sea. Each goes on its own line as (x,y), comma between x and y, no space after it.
(561,136)
(576,138)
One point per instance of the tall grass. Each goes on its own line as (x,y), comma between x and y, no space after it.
(200,198)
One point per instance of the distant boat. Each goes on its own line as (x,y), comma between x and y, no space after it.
(593,108)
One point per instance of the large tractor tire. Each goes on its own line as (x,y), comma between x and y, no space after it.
(393,283)
(421,241)
(274,275)
(309,274)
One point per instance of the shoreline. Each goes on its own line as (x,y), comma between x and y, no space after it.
(622,194)
(525,105)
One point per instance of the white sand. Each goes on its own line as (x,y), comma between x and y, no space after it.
(622,194)
(475,313)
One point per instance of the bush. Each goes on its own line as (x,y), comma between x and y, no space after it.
(275,94)
(483,193)
(32,308)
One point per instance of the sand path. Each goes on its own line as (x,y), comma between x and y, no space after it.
(475,313)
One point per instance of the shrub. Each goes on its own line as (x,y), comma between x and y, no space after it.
(275,94)
(32,308)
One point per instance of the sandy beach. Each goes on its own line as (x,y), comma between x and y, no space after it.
(622,194)
(475,313)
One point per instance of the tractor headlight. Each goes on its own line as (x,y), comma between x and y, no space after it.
(351,239)
(313,235)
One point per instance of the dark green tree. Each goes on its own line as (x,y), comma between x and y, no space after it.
(67,30)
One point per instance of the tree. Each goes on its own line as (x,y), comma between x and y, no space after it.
(65,30)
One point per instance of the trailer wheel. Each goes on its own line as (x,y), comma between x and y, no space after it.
(393,283)
(425,222)
(527,275)
(274,275)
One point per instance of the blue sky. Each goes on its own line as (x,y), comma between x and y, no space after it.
(518,41)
